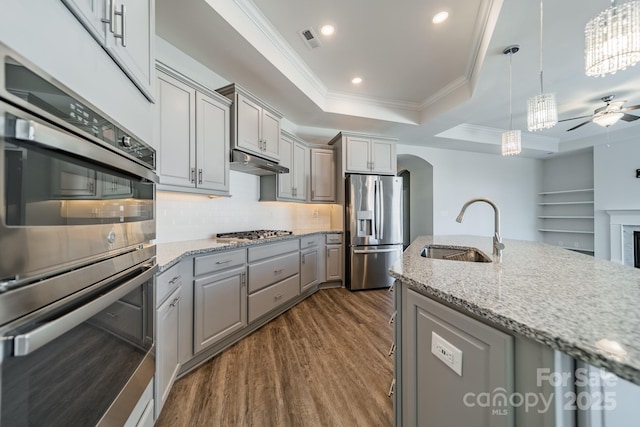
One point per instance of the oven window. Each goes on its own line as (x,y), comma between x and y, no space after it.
(44,187)
(74,379)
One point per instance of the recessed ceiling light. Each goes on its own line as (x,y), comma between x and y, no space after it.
(356,80)
(440,17)
(327,30)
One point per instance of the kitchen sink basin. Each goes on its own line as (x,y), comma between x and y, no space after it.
(454,253)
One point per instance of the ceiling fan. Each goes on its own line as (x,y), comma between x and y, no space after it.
(607,115)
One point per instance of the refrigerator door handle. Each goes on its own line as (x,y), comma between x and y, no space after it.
(375,209)
(375,251)
(381,210)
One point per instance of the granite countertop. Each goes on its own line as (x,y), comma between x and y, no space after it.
(585,307)
(169,254)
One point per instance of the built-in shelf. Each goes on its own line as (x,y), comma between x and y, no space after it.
(565,217)
(548,230)
(580,202)
(582,190)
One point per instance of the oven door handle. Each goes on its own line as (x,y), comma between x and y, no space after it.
(29,342)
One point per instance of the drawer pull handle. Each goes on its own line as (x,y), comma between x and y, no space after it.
(392,388)
(174,280)
(112,315)
(224,261)
(277,297)
(278,271)
(175,302)
(392,349)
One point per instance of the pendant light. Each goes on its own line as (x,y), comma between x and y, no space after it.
(542,110)
(612,39)
(511,139)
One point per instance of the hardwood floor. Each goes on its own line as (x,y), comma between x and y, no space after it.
(322,363)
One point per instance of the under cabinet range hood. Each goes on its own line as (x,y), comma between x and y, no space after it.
(248,163)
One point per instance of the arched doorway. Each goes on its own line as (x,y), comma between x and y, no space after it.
(418,217)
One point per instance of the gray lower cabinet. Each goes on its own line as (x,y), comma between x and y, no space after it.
(274,276)
(167,347)
(449,361)
(453,370)
(334,258)
(220,306)
(311,262)
(169,305)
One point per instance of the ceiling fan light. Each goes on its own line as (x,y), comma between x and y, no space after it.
(542,112)
(511,142)
(607,119)
(612,39)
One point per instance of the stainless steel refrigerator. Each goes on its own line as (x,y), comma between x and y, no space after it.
(373,216)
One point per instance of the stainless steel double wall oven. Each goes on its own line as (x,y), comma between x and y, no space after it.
(77,256)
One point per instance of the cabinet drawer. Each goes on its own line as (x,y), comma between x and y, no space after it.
(332,239)
(262,274)
(220,261)
(167,282)
(310,242)
(274,249)
(272,297)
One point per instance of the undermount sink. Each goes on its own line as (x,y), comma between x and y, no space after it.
(459,253)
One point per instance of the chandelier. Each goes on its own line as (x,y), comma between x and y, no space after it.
(542,110)
(612,39)
(511,139)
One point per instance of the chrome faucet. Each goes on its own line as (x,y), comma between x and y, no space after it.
(498,246)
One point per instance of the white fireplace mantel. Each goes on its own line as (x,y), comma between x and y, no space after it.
(617,220)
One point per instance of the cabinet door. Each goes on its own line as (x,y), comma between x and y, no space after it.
(133,48)
(270,135)
(300,171)
(309,268)
(334,262)
(323,185)
(177,124)
(90,13)
(285,181)
(383,157)
(212,144)
(220,307)
(486,367)
(357,154)
(249,116)
(167,361)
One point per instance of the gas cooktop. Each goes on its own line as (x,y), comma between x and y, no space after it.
(254,234)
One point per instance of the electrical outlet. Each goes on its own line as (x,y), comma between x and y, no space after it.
(447,353)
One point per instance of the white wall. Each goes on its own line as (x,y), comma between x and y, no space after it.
(511,182)
(615,186)
(47,34)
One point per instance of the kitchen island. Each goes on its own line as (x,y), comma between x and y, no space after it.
(538,299)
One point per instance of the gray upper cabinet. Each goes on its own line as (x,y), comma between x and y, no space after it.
(323,175)
(366,153)
(126,30)
(292,186)
(255,125)
(294,155)
(193,138)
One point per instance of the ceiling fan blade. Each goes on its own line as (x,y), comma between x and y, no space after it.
(629,117)
(581,124)
(575,118)
(633,107)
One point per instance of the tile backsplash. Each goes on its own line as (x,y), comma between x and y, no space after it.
(182,216)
